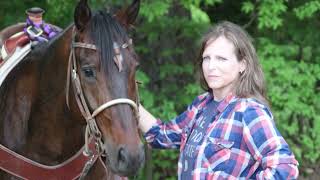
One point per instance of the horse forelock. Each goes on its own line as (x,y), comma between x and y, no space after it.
(104,31)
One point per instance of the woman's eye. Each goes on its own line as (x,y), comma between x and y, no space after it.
(89,72)
(206,58)
(221,58)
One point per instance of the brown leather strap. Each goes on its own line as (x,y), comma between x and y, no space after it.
(24,168)
(13,42)
(73,80)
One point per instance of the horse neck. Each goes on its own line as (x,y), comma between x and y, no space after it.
(52,73)
(53,123)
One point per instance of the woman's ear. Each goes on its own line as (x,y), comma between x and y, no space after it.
(243,65)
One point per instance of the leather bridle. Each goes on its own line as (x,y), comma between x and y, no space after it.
(92,129)
(78,165)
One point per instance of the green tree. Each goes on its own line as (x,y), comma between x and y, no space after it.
(285,34)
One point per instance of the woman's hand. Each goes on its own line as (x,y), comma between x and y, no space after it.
(146,120)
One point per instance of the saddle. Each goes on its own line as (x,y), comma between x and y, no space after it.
(14,45)
(11,38)
(10,45)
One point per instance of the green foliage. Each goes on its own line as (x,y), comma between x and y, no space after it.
(289,57)
(155,9)
(307,10)
(269,12)
(60,13)
(198,15)
(165,167)
(247,7)
(291,90)
(14,11)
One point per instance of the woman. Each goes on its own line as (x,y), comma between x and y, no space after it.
(229,131)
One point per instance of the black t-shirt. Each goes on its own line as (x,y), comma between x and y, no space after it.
(195,138)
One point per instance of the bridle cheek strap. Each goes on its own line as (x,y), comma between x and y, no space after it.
(92,128)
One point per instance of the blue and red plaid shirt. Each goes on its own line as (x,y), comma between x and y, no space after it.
(242,142)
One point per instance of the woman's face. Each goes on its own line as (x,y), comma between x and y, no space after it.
(220,66)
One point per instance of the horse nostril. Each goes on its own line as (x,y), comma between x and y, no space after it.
(129,159)
(123,156)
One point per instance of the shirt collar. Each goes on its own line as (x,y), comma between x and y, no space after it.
(230,98)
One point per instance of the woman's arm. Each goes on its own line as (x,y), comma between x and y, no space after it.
(267,146)
(165,135)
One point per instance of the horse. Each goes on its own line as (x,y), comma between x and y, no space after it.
(75,96)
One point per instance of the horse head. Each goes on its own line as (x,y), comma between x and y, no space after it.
(102,68)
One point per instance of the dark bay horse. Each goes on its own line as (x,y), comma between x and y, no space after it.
(80,85)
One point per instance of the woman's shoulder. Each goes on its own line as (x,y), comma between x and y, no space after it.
(245,104)
(251,111)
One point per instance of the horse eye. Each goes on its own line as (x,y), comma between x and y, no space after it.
(89,72)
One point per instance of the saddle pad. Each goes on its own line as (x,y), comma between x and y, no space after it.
(10,63)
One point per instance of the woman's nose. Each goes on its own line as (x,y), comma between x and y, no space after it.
(212,64)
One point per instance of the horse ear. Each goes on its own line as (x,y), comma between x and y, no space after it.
(127,17)
(82,15)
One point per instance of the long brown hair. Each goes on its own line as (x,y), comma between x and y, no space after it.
(251,82)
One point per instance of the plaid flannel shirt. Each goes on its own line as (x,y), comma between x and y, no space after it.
(241,143)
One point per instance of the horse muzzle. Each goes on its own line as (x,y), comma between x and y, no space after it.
(125,160)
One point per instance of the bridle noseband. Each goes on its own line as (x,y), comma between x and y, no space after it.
(92,127)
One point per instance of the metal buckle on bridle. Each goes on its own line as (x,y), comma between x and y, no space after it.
(94,130)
